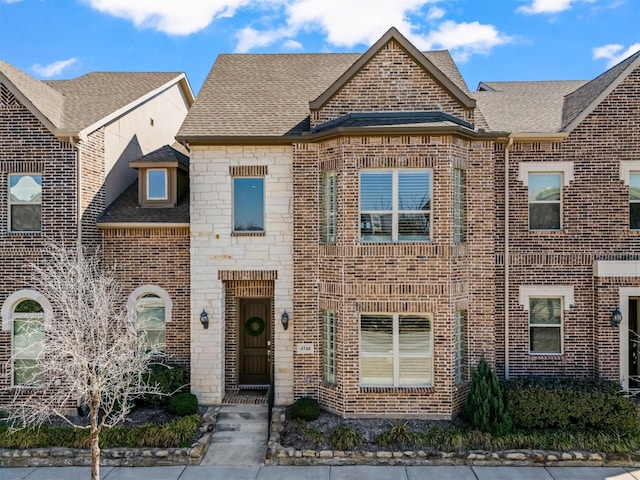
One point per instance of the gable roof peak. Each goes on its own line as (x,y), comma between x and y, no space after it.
(421,59)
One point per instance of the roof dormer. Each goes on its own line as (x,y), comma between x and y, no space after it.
(163,177)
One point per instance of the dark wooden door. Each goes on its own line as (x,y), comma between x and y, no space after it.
(255,335)
(634,344)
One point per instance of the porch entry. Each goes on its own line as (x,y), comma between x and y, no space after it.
(254,334)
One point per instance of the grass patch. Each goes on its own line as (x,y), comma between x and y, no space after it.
(170,435)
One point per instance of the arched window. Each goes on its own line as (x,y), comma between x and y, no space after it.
(28,340)
(150,314)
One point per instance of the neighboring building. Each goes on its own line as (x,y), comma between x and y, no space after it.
(365,196)
(65,148)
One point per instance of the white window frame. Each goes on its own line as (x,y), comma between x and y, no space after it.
(565,169)
(233,202)
(559,202)
(7,312)
(395,354)
(329,207)
(9,204)
(153,290)
(394,211)
(637,201)
(566,295)
(329,347)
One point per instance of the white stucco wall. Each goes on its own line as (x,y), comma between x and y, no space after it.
(142,130)
(213,248)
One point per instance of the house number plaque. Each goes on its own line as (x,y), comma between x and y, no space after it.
(303,348)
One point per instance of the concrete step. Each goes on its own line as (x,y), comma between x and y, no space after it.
(239,437)
(235,426)
(248,416)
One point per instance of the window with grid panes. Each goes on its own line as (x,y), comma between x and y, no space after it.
(28,338)
(150,314)
(545,325)
(460,345)
(459,229)
(329,218)
(25,202)
(329,354)
(545,201)
(395,205)
(396,350)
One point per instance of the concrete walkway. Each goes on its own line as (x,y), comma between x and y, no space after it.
(323,473)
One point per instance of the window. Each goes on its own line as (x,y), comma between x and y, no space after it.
(25,202)
(545,325)
(28,338)
(634,200)
(150,314)
(329,218)
(545,191)
(395,205)
(459,230)
(248,204)
(396,350)
(329,346)
(460,344)
(157,185)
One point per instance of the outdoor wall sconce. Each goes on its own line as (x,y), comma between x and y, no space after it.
(616,317)
(204,319)
(285,320)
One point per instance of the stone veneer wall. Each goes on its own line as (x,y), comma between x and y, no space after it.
(214,248)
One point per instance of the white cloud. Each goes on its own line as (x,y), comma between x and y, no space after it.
(182,17)
(545,6)
(292,45)
(12,1)
(462,39)
(435,13)
(614,53)
(250,38)
(53,69)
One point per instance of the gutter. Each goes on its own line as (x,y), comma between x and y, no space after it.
(134,225)
(78,153)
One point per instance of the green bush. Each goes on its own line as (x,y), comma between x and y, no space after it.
(170,380)
(305,408)
(537,403)
(345,438)
(184,404)
(485,408)
(398,434)
(170,435)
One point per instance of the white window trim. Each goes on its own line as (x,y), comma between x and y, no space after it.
(565,291)
(395,212)
(15,298)
(566,295)
(395,354)
(627,167)
(155,290)
(525,168)
(166,183)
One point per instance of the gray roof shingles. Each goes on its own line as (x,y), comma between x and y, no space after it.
(125,209)
(269,94)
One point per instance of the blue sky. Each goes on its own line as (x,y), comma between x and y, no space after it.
(491,40)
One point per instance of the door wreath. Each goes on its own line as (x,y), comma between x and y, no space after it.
(254,326)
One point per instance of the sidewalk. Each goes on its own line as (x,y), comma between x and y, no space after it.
(324,473)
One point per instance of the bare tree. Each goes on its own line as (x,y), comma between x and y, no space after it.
(92,353)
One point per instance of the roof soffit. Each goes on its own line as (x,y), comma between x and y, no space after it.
(413,52)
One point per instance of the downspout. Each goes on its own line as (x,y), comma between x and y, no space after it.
(506,256)
(78,190)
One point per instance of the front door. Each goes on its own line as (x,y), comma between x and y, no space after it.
(255,341)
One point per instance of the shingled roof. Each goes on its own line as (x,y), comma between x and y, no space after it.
(524,107)
(67,107)
(268,95)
